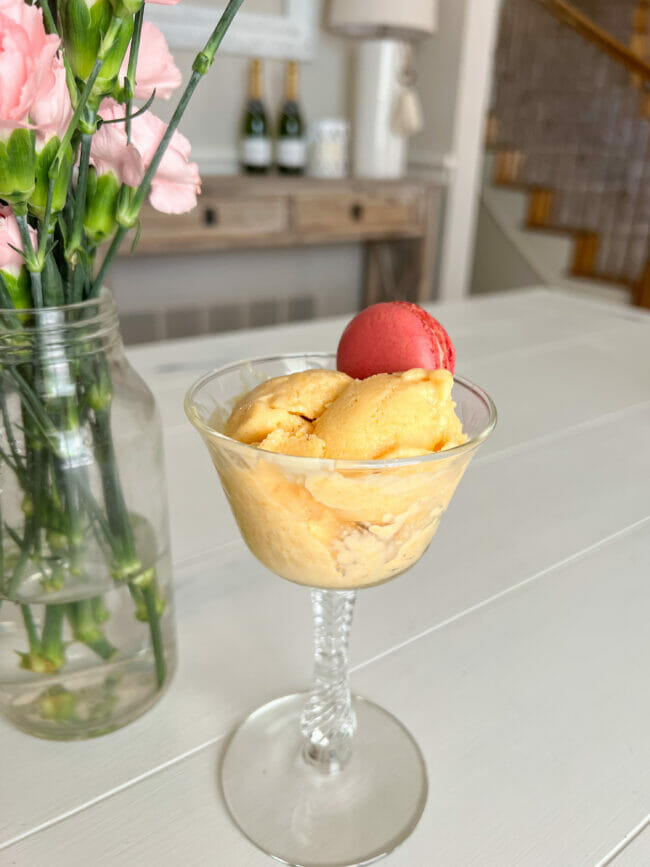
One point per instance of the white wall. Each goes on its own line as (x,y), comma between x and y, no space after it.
(498,263)
(458,63)
(438,67)
(213,118)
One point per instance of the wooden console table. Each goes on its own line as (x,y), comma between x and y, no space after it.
(397,221)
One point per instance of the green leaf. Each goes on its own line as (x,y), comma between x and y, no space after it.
(101,205)
(17,166)
(52,283)
(83,29)
(112,63)
(44,159)
(81,32)
(123,8)
(17,289)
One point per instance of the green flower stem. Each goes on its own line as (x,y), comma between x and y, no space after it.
(75,523)
(129,566)
(31,405)
(118,518)
(31,261)
(37,496)
(50,24)
(80,278)
(150,601)
(99,524)
(52,635)
(16,468)
(201,65)
(23,559)
(2,551)
(66,419)
(30,628)
(85,629)
(108,259)
(37,288)
(100,612)
(9,432)
(55,166)
(131,82)
(76,237)
(26,544)
(45,223)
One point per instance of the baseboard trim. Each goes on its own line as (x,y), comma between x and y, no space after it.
(436,166)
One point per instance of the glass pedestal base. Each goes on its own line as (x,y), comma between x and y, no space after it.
(295,812)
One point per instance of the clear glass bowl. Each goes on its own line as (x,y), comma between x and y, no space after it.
(331,524)
(326,778)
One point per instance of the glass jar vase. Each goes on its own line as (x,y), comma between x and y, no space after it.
(86,620)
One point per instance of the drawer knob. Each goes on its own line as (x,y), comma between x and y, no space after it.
(356,212)
(211,217)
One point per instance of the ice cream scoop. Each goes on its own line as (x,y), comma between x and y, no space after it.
(326,414)
(392,337)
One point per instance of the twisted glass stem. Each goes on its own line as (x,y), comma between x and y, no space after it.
(328,722)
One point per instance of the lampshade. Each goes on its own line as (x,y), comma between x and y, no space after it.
(372,19)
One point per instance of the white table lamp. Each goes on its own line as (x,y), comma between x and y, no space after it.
(386,109)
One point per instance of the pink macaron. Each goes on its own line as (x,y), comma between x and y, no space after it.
(391,337)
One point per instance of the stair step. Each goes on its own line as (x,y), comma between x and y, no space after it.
(551,251)
(548,254)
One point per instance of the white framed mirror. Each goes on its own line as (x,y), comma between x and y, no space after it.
(262,28)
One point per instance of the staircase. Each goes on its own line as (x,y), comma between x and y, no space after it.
(570,126)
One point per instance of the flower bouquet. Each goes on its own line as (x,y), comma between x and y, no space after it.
(86,633)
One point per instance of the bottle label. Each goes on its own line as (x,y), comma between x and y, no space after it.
(256,151)
(292,153)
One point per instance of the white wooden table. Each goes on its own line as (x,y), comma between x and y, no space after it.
(517,651)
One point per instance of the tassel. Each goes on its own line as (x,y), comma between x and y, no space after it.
(407,115)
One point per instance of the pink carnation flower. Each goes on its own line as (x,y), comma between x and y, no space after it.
(51,113)
(164,2)
(109,151)
(156,68)
(176,183)
(10,260)
(26,55)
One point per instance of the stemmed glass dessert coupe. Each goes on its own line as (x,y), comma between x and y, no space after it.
(327,778)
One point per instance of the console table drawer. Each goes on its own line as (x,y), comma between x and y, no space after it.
(357,213)
(215,222)
(241,216)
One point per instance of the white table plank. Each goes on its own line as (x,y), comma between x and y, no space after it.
(635,854)
(200,519)
(541,391)
(531,760)
(578,491)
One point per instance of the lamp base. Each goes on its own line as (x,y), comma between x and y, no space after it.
(293,811)
(378,151)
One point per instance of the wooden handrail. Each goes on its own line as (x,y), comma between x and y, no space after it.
(589,30)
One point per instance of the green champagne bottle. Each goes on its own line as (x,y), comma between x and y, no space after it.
(255,140)
(291,153)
